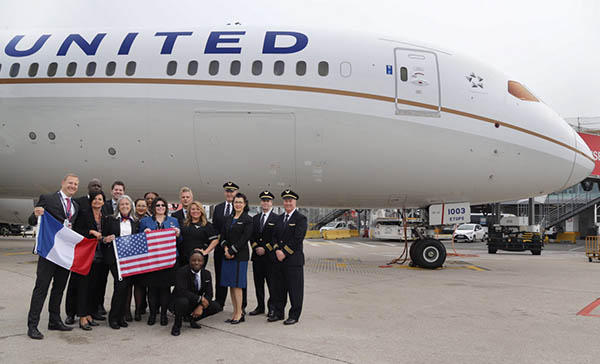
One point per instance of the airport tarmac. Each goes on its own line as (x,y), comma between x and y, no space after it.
(479,308)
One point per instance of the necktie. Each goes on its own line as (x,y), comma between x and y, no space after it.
(197,281)
(262,221)
(68,208)
(227,210)
(114,206)
(286,219)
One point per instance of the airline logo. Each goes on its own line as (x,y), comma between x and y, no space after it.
(593,142)
(217,42)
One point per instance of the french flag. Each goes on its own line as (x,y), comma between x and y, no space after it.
(63,246)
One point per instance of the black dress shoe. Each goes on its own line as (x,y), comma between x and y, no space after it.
(235,322)
(228,321)
(128,317)
(257,311)
(164,321)
(271,314)
(59,326)
(101,310)
(70,320)
(34,333)
(151,319)
(176,330)
(114,325)
(123,323)
(138,316)
(93,323)
(290,321)
(98,317)
(194,324)
(85,327)
(274,318)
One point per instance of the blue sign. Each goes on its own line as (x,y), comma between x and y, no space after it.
(388,69)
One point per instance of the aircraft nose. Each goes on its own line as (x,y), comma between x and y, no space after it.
(584,163)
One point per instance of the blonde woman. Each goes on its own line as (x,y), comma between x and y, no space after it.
(197,233)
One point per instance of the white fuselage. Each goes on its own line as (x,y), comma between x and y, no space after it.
(391,124)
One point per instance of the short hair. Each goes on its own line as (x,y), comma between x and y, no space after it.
(118,183)
(138,200)
(70,175)
(94,194)
(153,208)
(242,196)
(188,219)
(185,189)
(124,197)
(94,180)
(147,193)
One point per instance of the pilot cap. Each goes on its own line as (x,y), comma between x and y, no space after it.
(266,195)
(230,186)
(289,194)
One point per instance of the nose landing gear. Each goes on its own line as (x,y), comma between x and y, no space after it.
(427,253)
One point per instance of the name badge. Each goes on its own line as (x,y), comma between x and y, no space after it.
(67,224)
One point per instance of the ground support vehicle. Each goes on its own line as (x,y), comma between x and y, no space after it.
(511,238)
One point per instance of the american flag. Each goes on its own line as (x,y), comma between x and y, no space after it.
(145,252)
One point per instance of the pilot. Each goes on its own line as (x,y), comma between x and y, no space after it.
(287,245)
(221,211)
(61,206)
(262,234)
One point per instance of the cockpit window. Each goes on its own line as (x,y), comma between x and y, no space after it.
(520,92)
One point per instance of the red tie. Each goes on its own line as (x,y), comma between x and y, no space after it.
(68,208)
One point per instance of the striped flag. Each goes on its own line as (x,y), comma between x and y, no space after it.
(145,252)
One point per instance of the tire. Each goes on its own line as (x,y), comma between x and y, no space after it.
(411,252)
(4,230)
(536,252)
(589,259)
(430,254)
(492,250)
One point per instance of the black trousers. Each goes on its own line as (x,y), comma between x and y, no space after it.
(158,299)
(119,297)
(184,307)
(221,292)
(45,273)
(288,281)
(260,272)
(103,270)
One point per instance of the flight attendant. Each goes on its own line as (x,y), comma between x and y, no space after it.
(237,231)
(287,243)
(120,224)
(159,282)
(197,233)
(262,235)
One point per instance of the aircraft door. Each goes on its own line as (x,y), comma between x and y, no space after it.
(417,83)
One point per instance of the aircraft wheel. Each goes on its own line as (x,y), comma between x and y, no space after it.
(411,252)
(430,254)
(536,252)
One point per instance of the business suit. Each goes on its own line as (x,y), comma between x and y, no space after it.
(46,270)
(180,216)
(187,297)
(103,270)
(112,226)
(289,278)
(261,237)
(218,222)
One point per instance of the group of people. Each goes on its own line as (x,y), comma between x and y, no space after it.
(272,242)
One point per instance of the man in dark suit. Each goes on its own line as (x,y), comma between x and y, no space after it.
(193,294)
(262,235)
(185,197)
(117,189)
(221,211)
(287,244)
(62,207)
(80,226)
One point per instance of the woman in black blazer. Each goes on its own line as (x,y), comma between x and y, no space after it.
(237,231)
(121,224)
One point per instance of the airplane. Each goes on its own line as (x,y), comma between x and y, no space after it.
(345,118)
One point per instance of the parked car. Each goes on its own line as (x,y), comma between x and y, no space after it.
(338,225)
(10,229)
(470,233)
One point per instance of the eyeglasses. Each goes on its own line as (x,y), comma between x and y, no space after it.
(161,205)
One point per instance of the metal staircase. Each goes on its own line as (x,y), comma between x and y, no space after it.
(566,204)
(324,220)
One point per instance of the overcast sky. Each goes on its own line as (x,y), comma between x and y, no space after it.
(552,46)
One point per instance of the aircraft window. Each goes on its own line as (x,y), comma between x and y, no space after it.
(171,68)
(404,74)
(213,68)
(278,68)
(301,68)
(71,69)
(90,69)
(235,67)
(520,92)
(345,69)
(52,67)
(256,68)
(111,67)
(323,68)
(14,69)
(33,69)
(192,68)
(130,68)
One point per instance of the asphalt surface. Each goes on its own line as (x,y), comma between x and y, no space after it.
(510,307)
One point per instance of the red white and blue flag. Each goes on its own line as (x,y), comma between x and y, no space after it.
(145,252)
(63,246)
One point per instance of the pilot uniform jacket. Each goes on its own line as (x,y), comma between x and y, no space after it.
(289,238)
(218,219)
(236,237)
(185,285)
(264,238)
(112,225)
(53,204)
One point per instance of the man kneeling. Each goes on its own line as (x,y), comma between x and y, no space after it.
(193,294)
